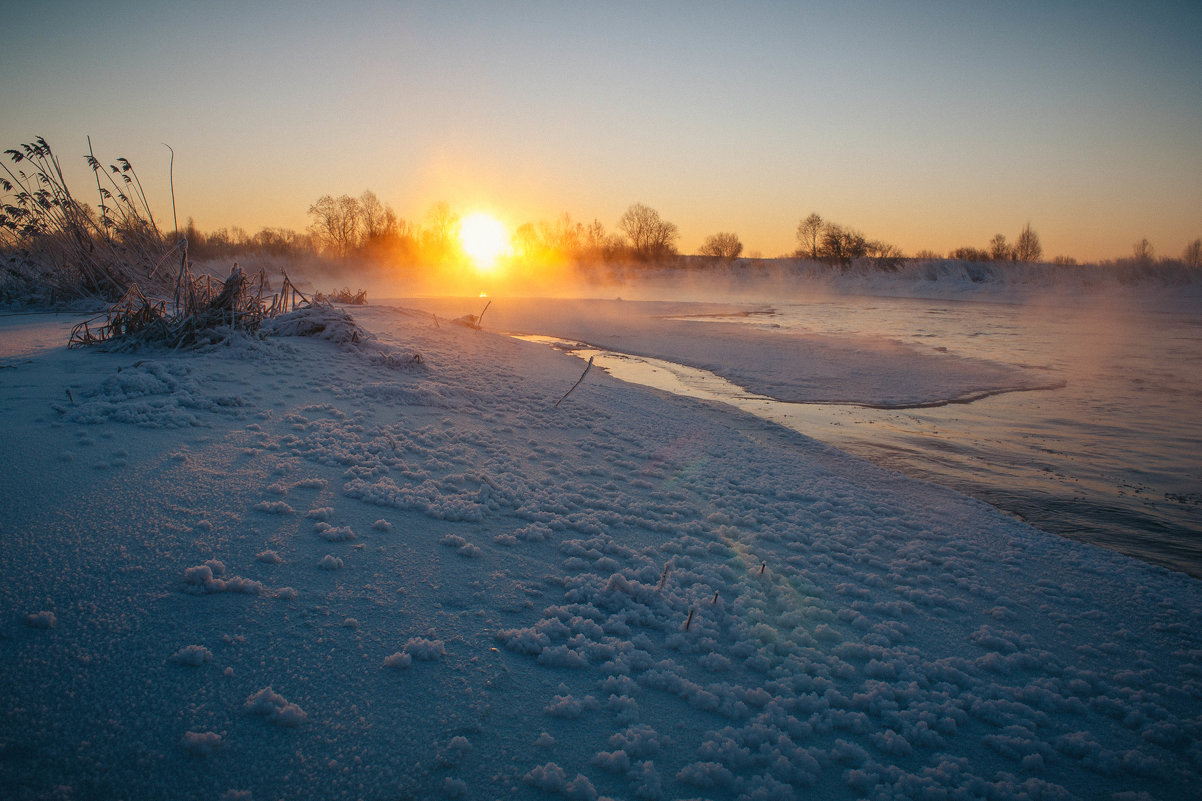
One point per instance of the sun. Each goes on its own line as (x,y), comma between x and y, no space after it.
(483,238)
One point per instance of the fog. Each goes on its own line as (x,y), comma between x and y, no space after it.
(1100,287)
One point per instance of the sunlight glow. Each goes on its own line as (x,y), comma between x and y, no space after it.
(484,239)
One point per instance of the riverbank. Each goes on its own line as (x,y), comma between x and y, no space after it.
(293,568)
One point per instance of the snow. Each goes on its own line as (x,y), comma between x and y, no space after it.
(633,595)
(193,655)
(273,706)
(201,743)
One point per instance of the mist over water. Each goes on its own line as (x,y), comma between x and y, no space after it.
(1111,457)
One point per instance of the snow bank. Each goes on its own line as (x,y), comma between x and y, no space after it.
(152,394)
(332,324)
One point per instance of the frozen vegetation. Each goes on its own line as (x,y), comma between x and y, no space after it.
(318,567)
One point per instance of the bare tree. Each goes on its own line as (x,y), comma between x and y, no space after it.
(722,246)
(808,232)
(562,236)
(884,255)
(1193,254)
(841,245)
(594,242)
(281,241)
(378,220)
(1027,248)
(526,241)
(969,253)
(999,248)
(650,235)
(336,222)
(439,235)
(1143,251)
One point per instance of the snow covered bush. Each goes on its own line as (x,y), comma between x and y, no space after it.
(41,620)
(192,655)
(273,706)
(201,743)
(424,649)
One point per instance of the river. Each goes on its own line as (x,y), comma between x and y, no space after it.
(1114,457)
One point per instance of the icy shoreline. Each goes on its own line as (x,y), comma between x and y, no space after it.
(288,570)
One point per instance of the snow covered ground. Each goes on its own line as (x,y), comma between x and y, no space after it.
(305,568)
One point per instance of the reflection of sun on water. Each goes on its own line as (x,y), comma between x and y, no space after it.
(484,239)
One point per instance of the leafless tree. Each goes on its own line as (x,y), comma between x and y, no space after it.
(1193,254)
(809,231)
(336,223)
(439,234)
(280,241)
(525,240)
(970,254)
(841,245)
(650,235)
(378,219)
(1027,248)
(884,255)
(999,248)
(562,236)
(1144,254)
(723,246)
(594,242)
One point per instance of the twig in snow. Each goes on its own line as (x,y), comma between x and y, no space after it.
(481,315)
(689,622)
(578,380)
(762,566)
(663,577)
(715,598)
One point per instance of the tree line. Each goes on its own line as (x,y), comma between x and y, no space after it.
(365,228)
(832,243)
(346,226)
(1026,248)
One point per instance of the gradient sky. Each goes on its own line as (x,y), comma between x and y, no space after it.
(925,124)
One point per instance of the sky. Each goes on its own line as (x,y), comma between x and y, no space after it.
(929,125)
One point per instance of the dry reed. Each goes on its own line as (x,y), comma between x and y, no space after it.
(72,250)
(204,311)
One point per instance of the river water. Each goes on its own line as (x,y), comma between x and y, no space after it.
(1114,457)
